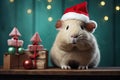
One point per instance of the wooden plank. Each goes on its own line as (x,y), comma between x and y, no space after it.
(111,71)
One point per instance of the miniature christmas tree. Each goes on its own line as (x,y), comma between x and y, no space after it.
(35,47)
(15,45)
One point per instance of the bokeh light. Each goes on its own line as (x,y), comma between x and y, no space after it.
(102,3)
(106,18)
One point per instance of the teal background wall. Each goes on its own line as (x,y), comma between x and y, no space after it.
(15,14)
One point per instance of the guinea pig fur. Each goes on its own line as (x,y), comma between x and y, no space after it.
(75,47)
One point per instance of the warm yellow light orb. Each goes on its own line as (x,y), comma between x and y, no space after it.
(50,19)
(11,1)
(29,11)
(102,3)
(106,18)
(49,7)
(49,1)
(117,8)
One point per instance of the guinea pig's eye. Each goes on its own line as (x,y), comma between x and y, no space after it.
(82,27)
(67,27)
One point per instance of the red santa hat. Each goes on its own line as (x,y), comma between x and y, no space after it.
(78,11)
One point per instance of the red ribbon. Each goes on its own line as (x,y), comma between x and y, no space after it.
(16,38)
(35,55)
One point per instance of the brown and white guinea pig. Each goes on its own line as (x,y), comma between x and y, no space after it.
(75,45)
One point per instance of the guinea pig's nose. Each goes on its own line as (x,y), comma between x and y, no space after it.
(74,36)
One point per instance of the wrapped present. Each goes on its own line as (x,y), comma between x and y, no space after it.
(10,62)
(14,61)
(35,47)
(16,43)
(38,54)
(41,64)
(43,54)
(41,60)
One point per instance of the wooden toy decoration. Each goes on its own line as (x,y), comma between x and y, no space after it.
(35,43)
(35,57)
(13,59)
(35,47)
(15,45)
(38,53)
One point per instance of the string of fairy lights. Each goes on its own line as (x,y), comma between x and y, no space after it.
(103,3)
(49,7)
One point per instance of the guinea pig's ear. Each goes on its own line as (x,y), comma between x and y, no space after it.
(58,24)
(91,26)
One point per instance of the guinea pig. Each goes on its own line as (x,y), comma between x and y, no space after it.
(75,45)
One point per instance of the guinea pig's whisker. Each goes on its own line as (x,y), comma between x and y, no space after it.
(82,37)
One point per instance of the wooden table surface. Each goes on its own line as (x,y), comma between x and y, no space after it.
(105,71)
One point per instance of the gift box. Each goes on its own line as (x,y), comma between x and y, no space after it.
(41,59)
(10,62)
(35,47)
(17,43)
(41,64)
(14,61)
